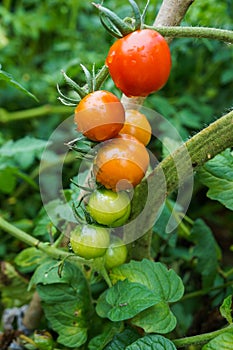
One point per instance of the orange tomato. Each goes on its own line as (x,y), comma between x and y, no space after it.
(137,125)
(121,163)
(99,116)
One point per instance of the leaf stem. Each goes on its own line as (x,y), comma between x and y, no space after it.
(194,32)
(201,292)
(201,338)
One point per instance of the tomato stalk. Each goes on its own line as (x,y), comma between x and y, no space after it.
(201,147)
(94,82)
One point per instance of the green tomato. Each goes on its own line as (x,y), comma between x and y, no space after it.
(109,208)
(116,253)
(89,241)
(43,340)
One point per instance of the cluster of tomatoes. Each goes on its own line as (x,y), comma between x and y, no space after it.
(139,64)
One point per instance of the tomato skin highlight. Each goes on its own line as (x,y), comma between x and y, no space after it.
(89,241)
(99,116)
(137,125)
(139,63)
(109,208)
(121,163)
(116,254)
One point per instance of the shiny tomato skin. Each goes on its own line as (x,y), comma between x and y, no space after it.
(99,115)
(89,241)
(140,62)
(116,253)
(109,208)
(137,125)
(121,163)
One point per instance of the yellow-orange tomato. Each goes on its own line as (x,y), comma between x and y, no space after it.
(137,125)
(100,115)
(121,163)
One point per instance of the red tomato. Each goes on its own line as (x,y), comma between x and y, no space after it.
(121,163)
(140,62)
(99,116)
(137,125)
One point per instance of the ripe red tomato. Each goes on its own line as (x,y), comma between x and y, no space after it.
(137,125)
(140,62)
(99,116)
(121,163)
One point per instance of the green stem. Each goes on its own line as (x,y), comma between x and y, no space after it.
(194,32)
(19,191)
(101,76)
(201,338)
(33,242)
(28,180)
(201,292)
(6,117)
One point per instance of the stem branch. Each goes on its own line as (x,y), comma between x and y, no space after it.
(201,338)
(194,32)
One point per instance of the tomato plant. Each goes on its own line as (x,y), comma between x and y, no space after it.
(109,208)
(116,253)
(121,163)
(89,241)
(174,287)
(99,115)
(140,62)
(137,125)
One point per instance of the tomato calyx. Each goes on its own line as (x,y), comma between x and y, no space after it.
(118,27)
(83,147)
(93,82)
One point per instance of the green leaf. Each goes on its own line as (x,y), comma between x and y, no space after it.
(23,151)
(217,175)
(164,283)
(226,309)
(120,341)
(7,179)
(152,342)
(65,300)
(110,330)
(30,258)
(165,320)
(10,80)
(141,292)
(206,251)
(223,341)
(124,300)
(14,287)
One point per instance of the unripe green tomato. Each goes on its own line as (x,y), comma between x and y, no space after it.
(89,241)
(43,340)
(116,253)
(109,208)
